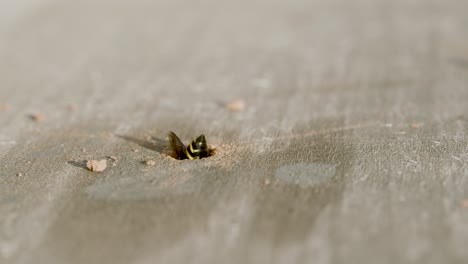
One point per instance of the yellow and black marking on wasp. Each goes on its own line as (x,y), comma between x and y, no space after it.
(197,149)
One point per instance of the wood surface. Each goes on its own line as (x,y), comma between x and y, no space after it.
(352,147)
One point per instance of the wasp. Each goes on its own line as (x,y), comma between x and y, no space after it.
(197,149)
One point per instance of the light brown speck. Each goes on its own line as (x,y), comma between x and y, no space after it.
(72,107)
(465,204)
(416,125)
(5,107)
(150,162)
(38,117)
(237,105)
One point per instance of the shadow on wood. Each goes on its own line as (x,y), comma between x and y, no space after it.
(155,144)
(80,164)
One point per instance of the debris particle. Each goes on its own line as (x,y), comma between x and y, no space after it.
(72,107)
(5,107)
(113,158)
(96,166)
(150,162)
(83,150)
(465,203)
(267,182)
(456,158)
(388,125)
(135,150)
(19,174)
(237,105)
(38,117)
(416,125)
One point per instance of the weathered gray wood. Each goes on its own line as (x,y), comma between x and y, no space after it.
(352,148)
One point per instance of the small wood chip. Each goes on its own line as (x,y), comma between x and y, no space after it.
(135,150)
(96,166)
(37,117)
(5,107)
(72,107)
(150,162)
(19,174)
(416,125)
(238,105)
(113,158)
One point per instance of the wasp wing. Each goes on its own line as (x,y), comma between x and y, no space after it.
(178,148)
